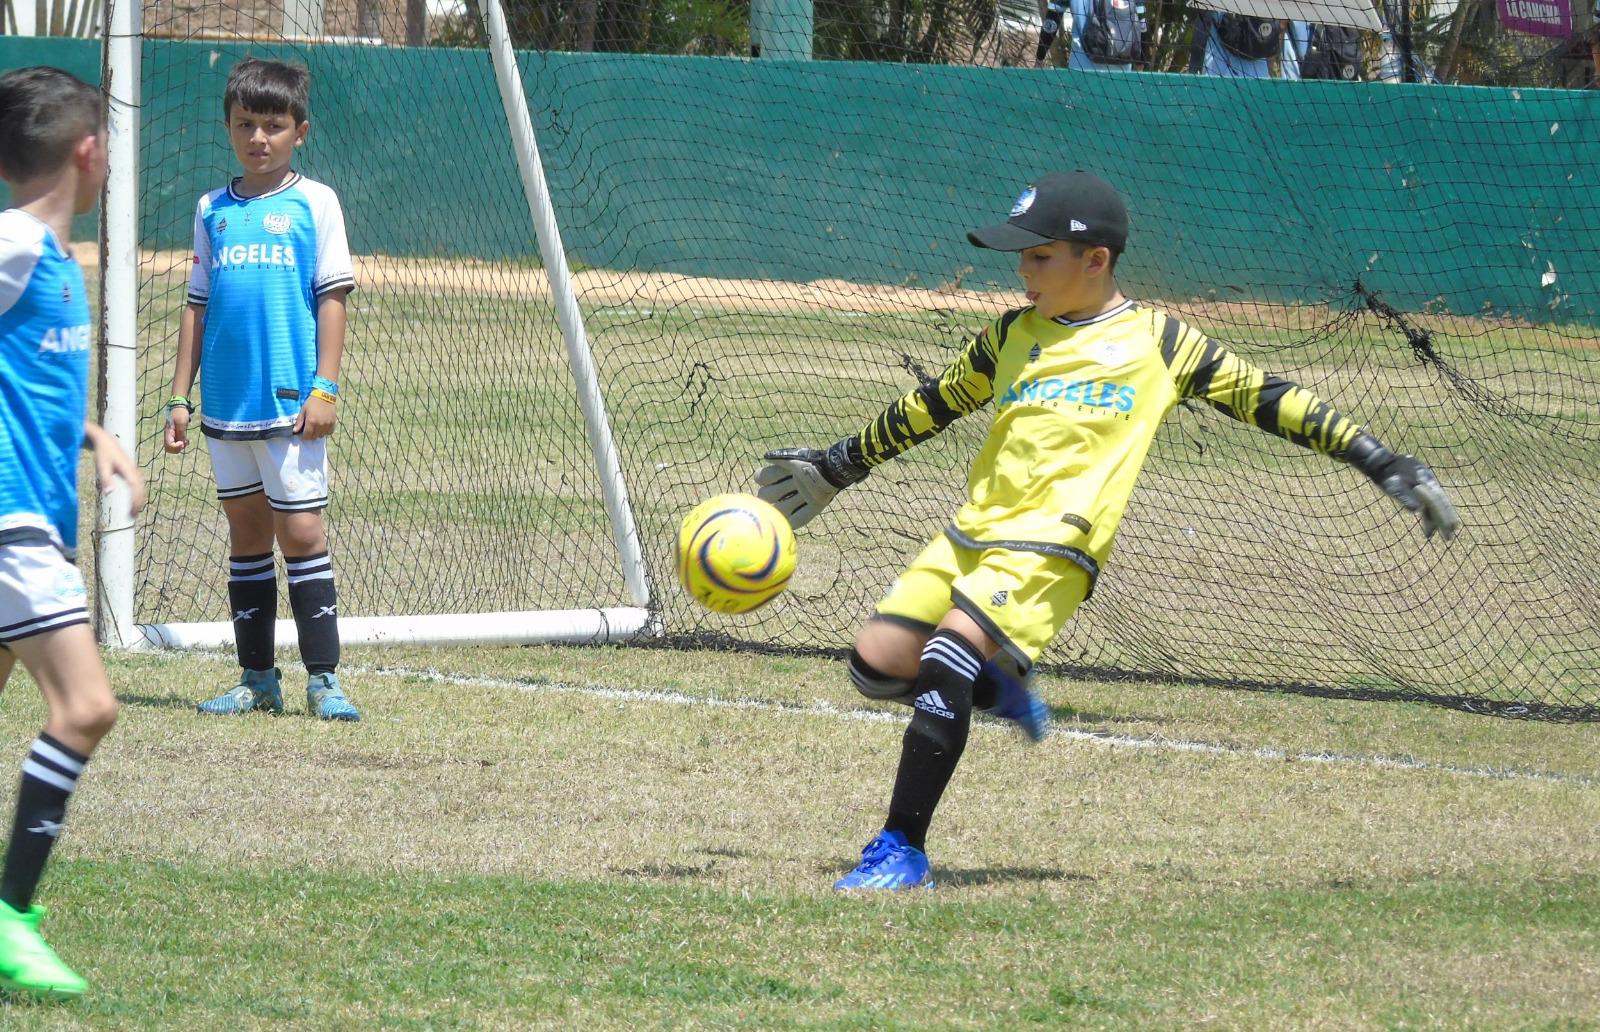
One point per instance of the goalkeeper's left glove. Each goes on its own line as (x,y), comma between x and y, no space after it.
(802,481)
(1407,480)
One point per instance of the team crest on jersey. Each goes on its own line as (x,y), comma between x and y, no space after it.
(1024,202)
(1034,352)
(1107,351)
(276,222)
(999,598)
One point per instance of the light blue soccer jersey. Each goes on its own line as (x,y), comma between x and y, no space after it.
(260,265)
(44,383)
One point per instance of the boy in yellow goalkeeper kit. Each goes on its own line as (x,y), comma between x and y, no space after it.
(1081,379)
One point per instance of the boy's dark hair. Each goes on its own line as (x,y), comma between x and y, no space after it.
(267,87)
(44,112)
(1081,248)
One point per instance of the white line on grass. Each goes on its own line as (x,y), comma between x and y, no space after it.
(1057,733)
(822,709)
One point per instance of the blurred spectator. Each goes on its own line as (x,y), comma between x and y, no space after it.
(1332,52)
(1390,61)
(1105,35)
(1236,47)
(1291,60)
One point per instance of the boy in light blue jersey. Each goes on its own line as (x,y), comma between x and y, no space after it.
(53,154)
(266,314)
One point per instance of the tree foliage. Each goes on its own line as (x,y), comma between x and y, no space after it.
(1454,40)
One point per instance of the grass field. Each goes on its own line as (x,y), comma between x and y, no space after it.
(639,838)
(643,837)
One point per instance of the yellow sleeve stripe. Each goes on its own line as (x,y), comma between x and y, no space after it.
(961,389)
(1202,368)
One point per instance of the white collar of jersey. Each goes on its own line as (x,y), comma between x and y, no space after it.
(294,178)
(1125,306)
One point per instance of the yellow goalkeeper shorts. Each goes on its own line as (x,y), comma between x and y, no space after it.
(1020,599)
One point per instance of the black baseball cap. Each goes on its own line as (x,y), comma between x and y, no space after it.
(1060,206)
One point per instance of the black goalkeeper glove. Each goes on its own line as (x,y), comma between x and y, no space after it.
(1407,480)
(801,482)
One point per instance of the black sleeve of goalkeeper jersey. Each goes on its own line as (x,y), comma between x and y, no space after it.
(963,388)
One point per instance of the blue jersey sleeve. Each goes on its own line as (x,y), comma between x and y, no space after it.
(44,382)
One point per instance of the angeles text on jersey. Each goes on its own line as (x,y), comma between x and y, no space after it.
(45,339)
(261,267)
(252,254)
(1077,406)
(1089,393)
(65,339)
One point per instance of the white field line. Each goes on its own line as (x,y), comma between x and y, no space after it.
(1058,733)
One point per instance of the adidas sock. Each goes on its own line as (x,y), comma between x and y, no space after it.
(315,603)
(48,777)
(989,686)
(934,741)
(253,593)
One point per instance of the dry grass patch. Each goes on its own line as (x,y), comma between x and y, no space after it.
(560,784)
(599,846)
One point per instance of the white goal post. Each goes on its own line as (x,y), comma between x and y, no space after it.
(114,539)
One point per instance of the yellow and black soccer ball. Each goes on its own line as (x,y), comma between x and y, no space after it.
(735,552)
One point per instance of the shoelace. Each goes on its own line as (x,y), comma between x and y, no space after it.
(877,851)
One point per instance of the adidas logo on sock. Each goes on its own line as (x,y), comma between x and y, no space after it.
(933,702)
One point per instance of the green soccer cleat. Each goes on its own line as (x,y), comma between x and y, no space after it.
(256,690)
(325,699)
(28,964)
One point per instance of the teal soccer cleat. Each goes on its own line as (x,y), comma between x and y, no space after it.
(325,699)
(889,862)
(256,690)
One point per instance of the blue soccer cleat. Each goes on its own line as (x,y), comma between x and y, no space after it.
(889,862)
(1018,703)
(325,699)
(256,690)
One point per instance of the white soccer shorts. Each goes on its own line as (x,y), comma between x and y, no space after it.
(292,471)
(40,590)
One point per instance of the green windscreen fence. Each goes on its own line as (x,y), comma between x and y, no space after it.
(768,253)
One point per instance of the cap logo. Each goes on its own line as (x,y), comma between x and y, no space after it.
(1024,202)
(1078,227)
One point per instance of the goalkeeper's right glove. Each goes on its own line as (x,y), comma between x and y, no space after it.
(1408,481)
(801,482)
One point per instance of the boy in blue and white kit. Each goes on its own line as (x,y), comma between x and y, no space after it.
(53,154)
(267,308)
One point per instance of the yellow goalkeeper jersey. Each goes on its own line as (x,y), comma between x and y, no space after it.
(1076,407)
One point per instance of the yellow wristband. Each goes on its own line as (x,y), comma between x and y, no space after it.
(318,392)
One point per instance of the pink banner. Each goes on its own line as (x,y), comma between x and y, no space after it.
(1540,17)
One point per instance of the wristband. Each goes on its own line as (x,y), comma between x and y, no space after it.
(322,395)
(842,464)
(322,383)
(1368,454)
(178,401)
